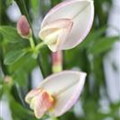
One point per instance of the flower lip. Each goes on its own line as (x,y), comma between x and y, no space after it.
(40,101)
(32,94)
(55,33)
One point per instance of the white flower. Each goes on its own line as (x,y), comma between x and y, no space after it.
(67,24)
(56,94)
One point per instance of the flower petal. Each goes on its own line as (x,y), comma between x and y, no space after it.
(32,94)
(39,109)
(43,103)
(55,33)
(81,12)
(65,87)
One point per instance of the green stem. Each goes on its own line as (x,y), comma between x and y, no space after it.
(32,44)
(6,73)
(23,10)
(4,68)
(53,118)
(39,46)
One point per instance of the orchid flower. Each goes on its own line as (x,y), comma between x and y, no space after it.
(56,94)
(67,24)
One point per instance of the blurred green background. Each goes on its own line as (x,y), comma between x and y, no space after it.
(95,102)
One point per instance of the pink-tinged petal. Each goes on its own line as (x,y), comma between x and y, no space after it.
(33,93)
(65,87)
(81,12)
(55,33)
(43,103)
(39,110)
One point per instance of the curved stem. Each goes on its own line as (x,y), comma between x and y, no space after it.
(40,45)
(53,118)
(6,73)
(32,44)
(23,10)
(57,61)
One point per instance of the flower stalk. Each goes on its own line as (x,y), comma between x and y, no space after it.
(32,44)
(23,9)
(57,61)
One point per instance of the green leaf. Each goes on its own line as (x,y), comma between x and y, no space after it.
(102,45)
(14,56)
(1,118)
(20,112)
(35,4)
(10,34)
(9,2)
(21,66)
(92,37)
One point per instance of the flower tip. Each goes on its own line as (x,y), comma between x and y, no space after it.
(23,27)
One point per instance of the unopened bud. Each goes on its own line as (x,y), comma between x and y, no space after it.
(8,80)
(23,27)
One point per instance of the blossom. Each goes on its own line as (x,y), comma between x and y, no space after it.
(23,27)
(67,24)
(56,94)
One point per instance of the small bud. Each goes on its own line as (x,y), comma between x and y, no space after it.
(23,27)
(8,80)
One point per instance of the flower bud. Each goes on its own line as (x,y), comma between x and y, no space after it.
(23,27)
(8,81)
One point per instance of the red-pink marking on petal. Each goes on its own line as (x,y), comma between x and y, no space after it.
(44,102)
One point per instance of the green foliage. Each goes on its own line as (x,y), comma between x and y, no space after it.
(14,56)
(19,63)
(9,2)
(10,34)
(102,45)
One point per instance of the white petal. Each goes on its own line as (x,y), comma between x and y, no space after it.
(54,34)
(81,12)
(66,87)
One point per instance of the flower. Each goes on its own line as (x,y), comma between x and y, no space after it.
(56,94)
(23,27)
(67,24)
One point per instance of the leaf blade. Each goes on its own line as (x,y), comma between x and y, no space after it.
(14,56)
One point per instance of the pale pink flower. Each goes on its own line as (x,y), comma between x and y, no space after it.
(67,24)
(56,94)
